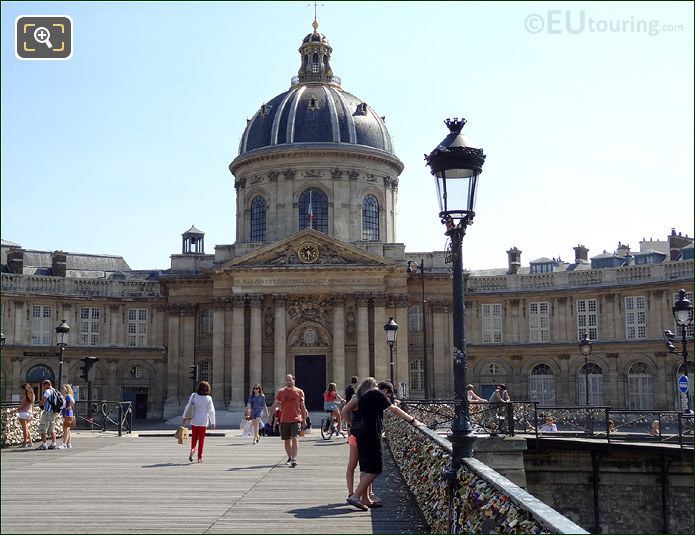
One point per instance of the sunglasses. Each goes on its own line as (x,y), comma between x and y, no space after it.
(256,388)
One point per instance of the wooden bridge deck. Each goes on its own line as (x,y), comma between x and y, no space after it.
(146,485)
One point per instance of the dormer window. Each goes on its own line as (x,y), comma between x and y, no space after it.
(264,110)
(361,109)
(313,103)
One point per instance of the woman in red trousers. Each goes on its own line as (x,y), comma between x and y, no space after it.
(203,414)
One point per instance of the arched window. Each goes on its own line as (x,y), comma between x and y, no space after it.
(595,384)
(639,387)
(415,319)
(313,210)
(206,371)
(542,385)
(40,373)
(417,375)
(370,218)
(206,321)
(258,211)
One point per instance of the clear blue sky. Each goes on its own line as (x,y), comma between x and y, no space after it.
(120,149)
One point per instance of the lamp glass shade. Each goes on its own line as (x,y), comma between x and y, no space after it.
(585,345)
(390,328)
(63,333)
(456,190)
(683,310)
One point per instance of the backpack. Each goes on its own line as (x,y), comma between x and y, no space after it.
(56,401)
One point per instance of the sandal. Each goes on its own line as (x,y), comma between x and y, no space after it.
(357,503)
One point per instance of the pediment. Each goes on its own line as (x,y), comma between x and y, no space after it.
(308,248)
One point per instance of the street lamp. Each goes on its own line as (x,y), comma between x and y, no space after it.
(390,328)
(683,314)
(425,369)
(585,347)
(62,334)
(456,166)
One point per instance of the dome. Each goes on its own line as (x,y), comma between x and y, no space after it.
(315,113)
(315,109)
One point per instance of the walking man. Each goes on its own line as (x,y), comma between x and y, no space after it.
(294,413)
(46,424)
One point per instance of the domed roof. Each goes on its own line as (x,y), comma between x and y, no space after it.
(315,113)
(315,109)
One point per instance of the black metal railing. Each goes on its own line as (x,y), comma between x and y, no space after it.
(105,415)
(528,417)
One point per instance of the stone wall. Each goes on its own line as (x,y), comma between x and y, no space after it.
(12,431)
(629,486)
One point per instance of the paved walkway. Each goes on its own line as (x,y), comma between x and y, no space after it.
(146,485)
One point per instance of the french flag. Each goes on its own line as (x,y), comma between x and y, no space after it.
(310,212)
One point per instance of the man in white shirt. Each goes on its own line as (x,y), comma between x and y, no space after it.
(46,424)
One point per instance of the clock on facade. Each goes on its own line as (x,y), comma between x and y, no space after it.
(308,252)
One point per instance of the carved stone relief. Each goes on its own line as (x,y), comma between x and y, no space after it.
(310,309)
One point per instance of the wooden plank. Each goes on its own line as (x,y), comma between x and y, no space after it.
(147,485)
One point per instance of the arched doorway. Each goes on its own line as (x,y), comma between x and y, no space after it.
(36,375)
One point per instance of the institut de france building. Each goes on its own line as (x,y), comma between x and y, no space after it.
(315,272)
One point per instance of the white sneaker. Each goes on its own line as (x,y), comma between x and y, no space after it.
(68,446)
(62,447)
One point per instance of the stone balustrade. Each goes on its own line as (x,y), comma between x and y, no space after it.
(12,431)
(593,277)
(485,501)
(46,285)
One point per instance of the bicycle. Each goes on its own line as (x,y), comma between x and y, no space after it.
(329,426)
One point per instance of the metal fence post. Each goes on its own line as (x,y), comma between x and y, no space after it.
(510,418)
(120,419)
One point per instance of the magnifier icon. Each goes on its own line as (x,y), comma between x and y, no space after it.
(42,35)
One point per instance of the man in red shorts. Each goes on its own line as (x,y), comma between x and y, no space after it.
(294,413)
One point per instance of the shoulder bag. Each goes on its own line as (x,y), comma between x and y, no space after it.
(189,411)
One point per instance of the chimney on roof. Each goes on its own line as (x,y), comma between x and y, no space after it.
(59,263)
(675,243)
(514,260)
(581,254)
(15,260)
(623,250)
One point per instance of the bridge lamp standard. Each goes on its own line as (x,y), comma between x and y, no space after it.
(62,335)
(390,329)
(683,314)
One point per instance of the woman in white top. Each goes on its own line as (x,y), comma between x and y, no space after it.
(203,413)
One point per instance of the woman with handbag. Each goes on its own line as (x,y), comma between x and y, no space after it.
(200,410)
(25,413)
(371,406)
(255,408)
(68,414)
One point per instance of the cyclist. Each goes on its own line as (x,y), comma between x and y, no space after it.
(330,403)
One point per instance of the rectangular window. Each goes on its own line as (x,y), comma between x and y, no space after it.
(539,322)
(206,321)
(492,324)
(635,317)
(42,327)
(415,319)
(689,328)
(137,327)
(89,326)
(587,319)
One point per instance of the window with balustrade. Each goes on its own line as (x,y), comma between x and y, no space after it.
(206,371)
(42,327)
(635,317)
(417,375)
(595,384)
(137,327)
(492,323)
(313,210)
(89,325)
(542,385)
(587,319)
(639,387)
(539,322)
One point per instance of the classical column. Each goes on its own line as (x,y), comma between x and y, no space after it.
(238,390)
(255,357)
(441,349)
(218,368)
(362,335)
(157,409)
(563,385)
(21,330)
(400,350)
(112,366)
(187,356)
(280,355)
(114,321)
(171,405)
(339,341)
(381,348)
(17,380)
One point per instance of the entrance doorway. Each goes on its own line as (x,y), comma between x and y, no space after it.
(310,376)
(138,397)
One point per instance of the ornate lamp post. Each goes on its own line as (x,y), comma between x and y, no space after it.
(456,166)
(425,370)
(683,314)
(585,347)
(390,328)
(62,334)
